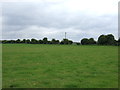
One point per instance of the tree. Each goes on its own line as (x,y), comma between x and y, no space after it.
(110,39)
(78,43)
(118,42)
(48,42)
(106,40)
(53,41)
(40,42)
(66,41)
(85,41)
(8,41)
(61,42)
(57,41)
(4,41)
(28,41)
(23,41)
(102,40)
(45,41)
(18,41)
(12,41)
(34,41)
(70,42)
(92,41)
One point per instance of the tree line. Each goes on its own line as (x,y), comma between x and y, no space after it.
(35,41)
(102,40)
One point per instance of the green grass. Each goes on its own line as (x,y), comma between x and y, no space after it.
(59,66)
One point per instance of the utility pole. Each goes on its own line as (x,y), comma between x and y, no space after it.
(65,35)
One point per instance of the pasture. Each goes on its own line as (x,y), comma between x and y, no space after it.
(59,66)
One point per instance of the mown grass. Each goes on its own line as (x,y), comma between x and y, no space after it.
(59,66)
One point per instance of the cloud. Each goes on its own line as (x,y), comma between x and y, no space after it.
(52,18)
(0,21)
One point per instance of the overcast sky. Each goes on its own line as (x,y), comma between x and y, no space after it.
(52,18)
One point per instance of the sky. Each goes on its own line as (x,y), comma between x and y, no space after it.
(52,18)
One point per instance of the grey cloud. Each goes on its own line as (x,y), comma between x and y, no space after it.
(20,16)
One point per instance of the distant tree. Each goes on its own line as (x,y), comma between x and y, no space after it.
(54,41)
(45,41)
(28,41)
(8,41)
(4,41)
(61,42)
(111,39)
(118,42)
(40,42)
(92,41)
(18,41)
(12,41)
(48,42)
(85,41)
(102,40)
(106,40)
(23,41)
(66,41)
(34,41)
(70,41)
(78,43)
(57,41)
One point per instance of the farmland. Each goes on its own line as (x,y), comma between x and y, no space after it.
(59,66)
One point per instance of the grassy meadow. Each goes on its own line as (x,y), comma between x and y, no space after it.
(59,66)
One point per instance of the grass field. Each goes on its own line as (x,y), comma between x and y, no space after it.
(59,66)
